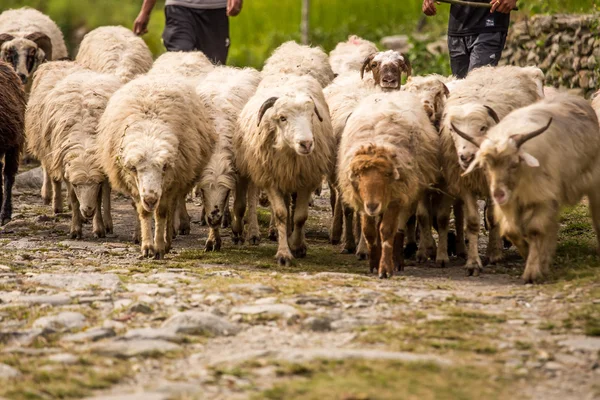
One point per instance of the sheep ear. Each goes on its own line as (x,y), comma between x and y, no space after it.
(5,37)
(492,113)
(366,65)
(529,159)
(405,64)
(446,90)
(270,102)
(43,42)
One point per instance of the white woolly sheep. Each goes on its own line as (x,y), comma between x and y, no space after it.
(44,79)
(157,139)
(70,123)
(351,54)
(190,64)
(478,103)
(537,159)
(284,144)
(225,91)
(27,39)
(387,160)
(115,50)
(296,59)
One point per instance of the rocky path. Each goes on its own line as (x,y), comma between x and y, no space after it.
(88,318)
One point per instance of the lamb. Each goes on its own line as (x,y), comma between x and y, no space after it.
(115,50)
(387,160)
(70,121)
(284,144)
(296,59)
(191,64)
(225,91)
(350,55)
(45,78)
(12,125)
(27,39)
(387,68)
(479,102)
(537,159)
(157,139)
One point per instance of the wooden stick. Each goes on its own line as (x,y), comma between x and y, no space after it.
(471,3)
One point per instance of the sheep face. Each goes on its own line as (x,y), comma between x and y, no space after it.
(147,158)
(474,120)
(25,54)
(387,68)
(372,173)
(290,117)
(87,183)
(216,185)
(433,94)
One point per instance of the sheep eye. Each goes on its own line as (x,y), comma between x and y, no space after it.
(133,169)
(374,65)
(282,119)
(483,129)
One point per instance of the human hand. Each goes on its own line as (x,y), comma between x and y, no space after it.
(140,26)
(503,6)
(429,7)
(234,7)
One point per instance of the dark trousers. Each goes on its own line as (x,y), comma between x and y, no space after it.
(189,29)
(474,51)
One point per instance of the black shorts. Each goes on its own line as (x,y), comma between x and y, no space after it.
(189,29)
(473,51)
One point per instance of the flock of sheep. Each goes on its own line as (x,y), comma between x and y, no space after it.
(397,158)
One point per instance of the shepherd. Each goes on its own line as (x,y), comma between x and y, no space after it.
(476,32)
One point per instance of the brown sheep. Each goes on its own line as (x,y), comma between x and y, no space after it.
(387,68)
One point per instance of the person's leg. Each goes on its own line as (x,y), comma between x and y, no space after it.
(179,29)
(212,34)
(459,56)
(486,49)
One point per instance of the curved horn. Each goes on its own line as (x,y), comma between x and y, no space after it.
(43,42)
(492,113)
(366,66)
(464,135)
(318,115)
(270,102)
(520,139)
(5,37)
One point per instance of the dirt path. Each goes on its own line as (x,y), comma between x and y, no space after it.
(88,318)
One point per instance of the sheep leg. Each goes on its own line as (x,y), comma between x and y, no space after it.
(76,217)
(11,166)
(443,222)
(280,209)
(393,218)
(297,239)
(411,237)
(46,187)
(226,215)
(333,197)
(202,221)
(369,231)
(349,241)
(473,265)
(170,232)
(57,200)
(106,215)
(98,223)
(362,250)
(541,232)
(338,219)
(213,242)
(253,227)
(160,230)
(145,220)
(183,227)
(427,248)
(459,224)
(239,209)
(290,203)
(494,247)
(137,234)
(594,205)
(272,227)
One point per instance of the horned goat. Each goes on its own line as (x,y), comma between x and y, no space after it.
(537,159)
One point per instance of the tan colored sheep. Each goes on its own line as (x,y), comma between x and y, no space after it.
(296,59)
(115,50)
(70,123)
(284,144)
(27,39)
(388,157)
(157,140)
(350,55)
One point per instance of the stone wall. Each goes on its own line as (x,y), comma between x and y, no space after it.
(565,47)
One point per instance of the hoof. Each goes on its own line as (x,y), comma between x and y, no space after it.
(160,255)
(148,251)
(362,256)
(110,230)
(254,240)
(348,250)
(211,246)
(383,275)
(5,219)
(335,242)
(284,261)
(299,252)
(237,239)
(442,262)
(410,250)
(473,270)
(421,257)
(76,235)
(273,235)
(184,231)
(100,234)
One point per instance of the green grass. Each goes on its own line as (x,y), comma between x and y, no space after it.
(385,380)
